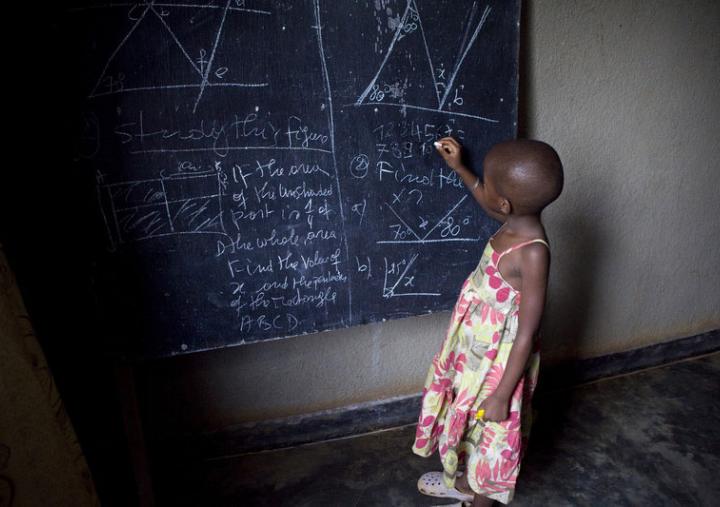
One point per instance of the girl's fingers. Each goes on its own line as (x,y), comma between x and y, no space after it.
(443,147)
(450,140)
(449,144)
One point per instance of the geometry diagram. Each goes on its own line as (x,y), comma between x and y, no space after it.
(447,228)
(399,281)
(164,40)
(401,82)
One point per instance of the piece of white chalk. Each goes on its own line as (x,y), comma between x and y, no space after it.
(437,144)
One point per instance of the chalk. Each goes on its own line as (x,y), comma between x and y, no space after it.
(437,144)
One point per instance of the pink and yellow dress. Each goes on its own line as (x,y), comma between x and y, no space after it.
(466,370)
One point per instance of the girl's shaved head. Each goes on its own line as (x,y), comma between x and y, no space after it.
(528,173)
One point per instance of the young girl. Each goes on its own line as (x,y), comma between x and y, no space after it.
(476,401)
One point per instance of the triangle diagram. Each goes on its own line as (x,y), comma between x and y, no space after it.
(214,38)
(405,75)
(403,278)
(474,25)
(153,54)
(454,223)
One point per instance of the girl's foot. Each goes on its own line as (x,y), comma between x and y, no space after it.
(461,484)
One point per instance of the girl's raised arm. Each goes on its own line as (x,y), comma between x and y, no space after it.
(451,151)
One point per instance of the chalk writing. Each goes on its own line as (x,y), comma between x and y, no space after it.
(267,169)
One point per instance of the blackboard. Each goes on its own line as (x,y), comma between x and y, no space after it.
(265,169)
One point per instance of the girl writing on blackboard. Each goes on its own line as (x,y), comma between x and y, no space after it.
(476,400)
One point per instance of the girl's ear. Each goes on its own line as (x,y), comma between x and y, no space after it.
(505,206)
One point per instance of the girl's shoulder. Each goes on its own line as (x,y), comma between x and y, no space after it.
(504,242)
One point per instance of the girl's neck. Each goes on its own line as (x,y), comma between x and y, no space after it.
(520,224)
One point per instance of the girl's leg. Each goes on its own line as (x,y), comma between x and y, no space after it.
(482,501)
(461,484)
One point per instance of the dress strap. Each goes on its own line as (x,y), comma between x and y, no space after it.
(498,230)
(520,245)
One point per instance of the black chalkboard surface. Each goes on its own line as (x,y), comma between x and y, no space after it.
(265,169)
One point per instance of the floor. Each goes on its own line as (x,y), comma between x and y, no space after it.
(651,438)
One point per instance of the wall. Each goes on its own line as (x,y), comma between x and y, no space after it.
(628,94)
(41,461)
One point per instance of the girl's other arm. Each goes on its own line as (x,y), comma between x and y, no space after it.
(450,150)
(534,269)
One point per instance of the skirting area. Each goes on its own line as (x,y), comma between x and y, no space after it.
(399,411)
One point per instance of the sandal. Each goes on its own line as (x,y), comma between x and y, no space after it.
(431,483)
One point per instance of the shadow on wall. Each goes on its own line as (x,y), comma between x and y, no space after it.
(576,260)
(576,240)
(580,244)
(524,72)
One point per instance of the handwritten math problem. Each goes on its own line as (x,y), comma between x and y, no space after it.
(267,169)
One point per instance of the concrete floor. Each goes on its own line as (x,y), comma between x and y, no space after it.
(651,438)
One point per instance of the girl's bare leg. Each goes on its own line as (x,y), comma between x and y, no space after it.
(461,484)
(482,501)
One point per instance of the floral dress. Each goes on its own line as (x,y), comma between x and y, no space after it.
(465,371)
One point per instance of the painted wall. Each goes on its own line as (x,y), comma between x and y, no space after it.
(629,94)
(41,461)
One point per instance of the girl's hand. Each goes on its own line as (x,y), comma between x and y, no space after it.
(496,408)
(450,150)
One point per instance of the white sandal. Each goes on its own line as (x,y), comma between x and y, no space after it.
(431,484)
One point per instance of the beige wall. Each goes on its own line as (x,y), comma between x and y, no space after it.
(629,94)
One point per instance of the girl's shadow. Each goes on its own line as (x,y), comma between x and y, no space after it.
(577,242)
(580,244)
